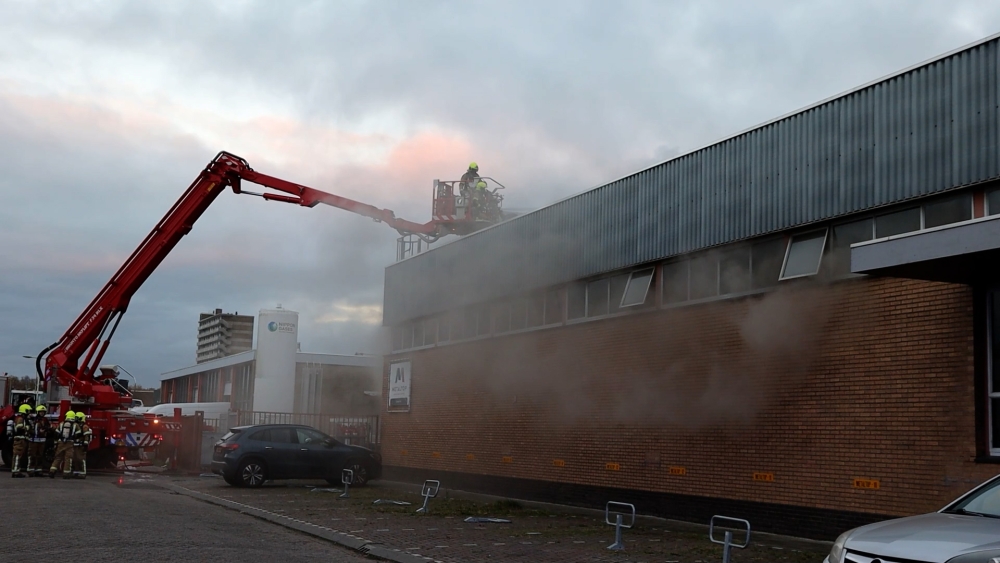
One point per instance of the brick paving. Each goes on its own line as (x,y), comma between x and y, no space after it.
(532,535)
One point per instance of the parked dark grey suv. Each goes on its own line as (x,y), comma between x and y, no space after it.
(249,455)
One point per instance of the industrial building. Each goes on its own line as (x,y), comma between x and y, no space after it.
(223,334)
(277,377)
(794,325)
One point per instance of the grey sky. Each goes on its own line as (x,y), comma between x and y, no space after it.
(108,110)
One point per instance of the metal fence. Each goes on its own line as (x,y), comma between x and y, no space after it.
(354,430)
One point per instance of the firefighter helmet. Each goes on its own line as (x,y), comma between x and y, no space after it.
(24,409)
(81,417)
(70,415)
(40,408)
(473,166)
(481,185)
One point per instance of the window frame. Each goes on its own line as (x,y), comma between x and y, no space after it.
(990,392)
(788,251)
(628,284)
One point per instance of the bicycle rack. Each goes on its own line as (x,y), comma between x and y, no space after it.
(347,478)
(619,545)
(428,491)
(727,541)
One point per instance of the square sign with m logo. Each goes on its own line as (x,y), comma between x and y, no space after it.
(400,375)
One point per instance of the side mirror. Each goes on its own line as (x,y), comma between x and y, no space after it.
(329,443)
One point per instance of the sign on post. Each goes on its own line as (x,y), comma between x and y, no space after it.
(400,374)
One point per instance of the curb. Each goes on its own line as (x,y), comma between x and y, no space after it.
(349,541)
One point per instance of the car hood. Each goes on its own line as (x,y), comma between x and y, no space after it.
(934,537)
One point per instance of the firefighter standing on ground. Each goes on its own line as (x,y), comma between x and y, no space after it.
(65,433)
(20,436)
(81,442)
(39,433)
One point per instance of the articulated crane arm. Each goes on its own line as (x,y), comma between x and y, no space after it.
(73,360)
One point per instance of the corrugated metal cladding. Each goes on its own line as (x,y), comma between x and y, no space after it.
(929,129)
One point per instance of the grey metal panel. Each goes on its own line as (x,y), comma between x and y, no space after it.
(926,130)
(947,242)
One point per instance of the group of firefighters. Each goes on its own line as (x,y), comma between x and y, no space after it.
(33,434)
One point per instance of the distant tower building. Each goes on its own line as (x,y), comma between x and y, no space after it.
(223,334)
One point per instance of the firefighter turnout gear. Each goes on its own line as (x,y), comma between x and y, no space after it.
(469,178)
(20,434)
(81,443)
(38,435)
(65,433)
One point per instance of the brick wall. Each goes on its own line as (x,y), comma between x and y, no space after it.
(813,386)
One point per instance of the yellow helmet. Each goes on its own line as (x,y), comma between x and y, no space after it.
(41,408)
(473,166)
(70,415)
(24,409)
(81,417)
(480,185)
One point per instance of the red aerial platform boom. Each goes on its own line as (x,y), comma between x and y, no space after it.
(74,360)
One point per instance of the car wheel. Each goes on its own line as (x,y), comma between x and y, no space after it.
(252,473)
(360,473)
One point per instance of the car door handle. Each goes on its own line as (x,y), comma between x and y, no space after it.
(268,447)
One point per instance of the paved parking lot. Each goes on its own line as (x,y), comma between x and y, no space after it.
(132,519)
(532,535)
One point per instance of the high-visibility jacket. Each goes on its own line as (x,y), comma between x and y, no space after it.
(21,430)
(40,429)
(83,435)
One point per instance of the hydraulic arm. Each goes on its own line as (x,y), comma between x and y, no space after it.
(73,360)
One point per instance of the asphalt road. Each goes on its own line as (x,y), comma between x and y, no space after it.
(131,519)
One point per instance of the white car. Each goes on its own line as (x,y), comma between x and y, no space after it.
(965,531)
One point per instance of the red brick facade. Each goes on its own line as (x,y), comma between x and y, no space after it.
(809,388)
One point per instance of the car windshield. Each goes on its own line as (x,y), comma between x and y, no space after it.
(985,502)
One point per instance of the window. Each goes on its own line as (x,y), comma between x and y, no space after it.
(597,297)
(309,436)
(618,284)
(501,317)
(767,257)
(553,307)
(536,310)
(675,282)
(704,280)
(576,301)
(804,254)
(260,436)
(900,222)
(418,334)
(457,320)
(444,328)
(483,313)
(519,314)
(993,202)
(637,288)
(843,237)
(734,270)
(397,338)
(948,210)
(407,330)
(471,319)
(282,436)
(430,331)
